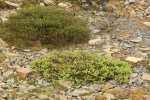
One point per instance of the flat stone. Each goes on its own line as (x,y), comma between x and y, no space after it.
(137,40)
(146,77)
(8,73)
(144,49)
(49,2)
(10,81)
(12,4)
(132,1)
(64,84)
(133,75)
(80,92)
(95,31)
(95,42)
(100,97)
(134,59)
(95,87)
(90,97)
(109,96)
(23,88)
(23,72)
(147,23)
(3,45)
(43,97)
(116,90)
(62,97)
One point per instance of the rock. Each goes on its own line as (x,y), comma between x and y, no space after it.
(144,49)
(49,2)
(12,4)
(65,5)
(31,87)
(115,91)
(43,97)
(95,31)
(95,87)
(3,19)
(13,55)
(100,97)
(137,40)
(8,73)
(43,51)
(132,1)
(80,92)
(26,50)
(147,23)
(23,88)
(132,13)
(90,97)
(64,84)
(23,72)
(134,59)
(109,7)
(10,81)
(14,67)
(96,42)
(107,86)
(108,53)
(42,4)
(133,75)
(126,3)
(62,97)
(146,77)
(3,45)
(109,96)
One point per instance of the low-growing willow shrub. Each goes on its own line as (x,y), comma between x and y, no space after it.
(81,67)
(49,25)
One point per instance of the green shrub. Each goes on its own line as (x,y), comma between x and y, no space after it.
(49,25)
(81,67)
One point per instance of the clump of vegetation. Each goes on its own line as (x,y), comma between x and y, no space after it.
(81,67)
(2,57)
(3,5)
(49,25)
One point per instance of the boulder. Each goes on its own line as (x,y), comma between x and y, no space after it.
(49,2)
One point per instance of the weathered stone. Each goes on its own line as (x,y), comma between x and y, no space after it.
(137,40)
(132,1)
(23,72)
(64,84)
(62,97)
(42,4)
(3,45)
(8,73)
(146,77)
(95,87)
(115,91)
(132,13)
(90,97)
(80,92)
(108,86)
(49,2)
(144,49)
(134,59)
(100,97)
(147,23)
(96,42)
(43,97)
(12,4)
(109,96)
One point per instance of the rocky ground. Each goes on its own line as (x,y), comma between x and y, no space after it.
(116,34)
